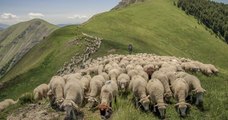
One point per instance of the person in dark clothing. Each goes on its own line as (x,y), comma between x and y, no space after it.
(130,48)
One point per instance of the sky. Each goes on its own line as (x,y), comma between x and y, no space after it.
(53,11)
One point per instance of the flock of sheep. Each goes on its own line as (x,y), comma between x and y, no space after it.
(153,81)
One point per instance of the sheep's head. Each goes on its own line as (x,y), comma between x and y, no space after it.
(182,108)
(71,109)
(199,98)
(168,96)
(145,102)
(92,102)
(105,111)
(161,109)
(123,85)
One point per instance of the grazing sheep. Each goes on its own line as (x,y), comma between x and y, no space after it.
(132,73)
(107,67)
(194,85)
(6,103)
(73,92)
(165,81)
(138,87)
(180,89)
(105,75)
(40,92)
(96,84)
(123,81)
(114,73)
(55,93)
(100,69)
(108,93)
(85,82)
(143,74)
(72,76)
(213,68)
(156,91)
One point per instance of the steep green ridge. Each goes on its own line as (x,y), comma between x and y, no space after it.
(157,26)
(154,26)
(41,62)
(18,39)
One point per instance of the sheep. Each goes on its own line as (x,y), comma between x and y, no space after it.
(40,92)
(55,92)
(138,87)
(138,68)
(108,93)
(6,103)
(194,85)
(85,80)
(123,81)
(114,73)
(143,74)
(180,89)
(105,75)
(165,81)
(96,84)
(156,91)
(129,67)
(100,69)
(72,76)
(213,68)
(132,73)
(73,92)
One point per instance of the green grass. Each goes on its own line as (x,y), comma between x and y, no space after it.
(155,26)
(41,63)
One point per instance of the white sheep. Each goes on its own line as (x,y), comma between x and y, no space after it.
(72,76)
(123,81)
(74,94)
(108,94)
(194,85)
(6,103)
(40,92)
(96,84)
(165,81)
(156,91)
(114,73)
(85,80)
(55,93)
(180,89)
(138,87)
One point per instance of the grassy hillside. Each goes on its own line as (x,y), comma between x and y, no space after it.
(42,62)
(18,39)
(155,26)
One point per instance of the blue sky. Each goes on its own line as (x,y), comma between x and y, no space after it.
(54,11)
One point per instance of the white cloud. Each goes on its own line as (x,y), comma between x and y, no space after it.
(8,16)
(35,15)
(78,17)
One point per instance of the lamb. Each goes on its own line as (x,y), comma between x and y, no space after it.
(40,92)
(180,89)
(73,92)
(123,81)
(108,93)
(96,84)
(55,93)
(156,91)
(138,87)
(6,103)
(194,85)
(165,81)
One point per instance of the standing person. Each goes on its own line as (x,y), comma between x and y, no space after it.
(130,48)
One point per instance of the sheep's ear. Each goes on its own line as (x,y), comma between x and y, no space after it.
(177,104)
(189,105)
(148,96)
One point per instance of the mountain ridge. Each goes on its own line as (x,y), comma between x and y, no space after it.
(18,39)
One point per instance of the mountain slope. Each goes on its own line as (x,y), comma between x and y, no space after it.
(154,26)
(19,39)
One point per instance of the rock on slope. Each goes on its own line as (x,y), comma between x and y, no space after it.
(124,3)
(18,39)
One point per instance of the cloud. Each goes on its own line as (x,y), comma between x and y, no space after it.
(78,17)
(35,15)
(8,16)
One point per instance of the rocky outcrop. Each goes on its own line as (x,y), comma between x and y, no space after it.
(80,60)
(125,3)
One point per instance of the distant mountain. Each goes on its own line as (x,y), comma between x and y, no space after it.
(62,25)
(3,26)
(18,39)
